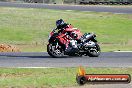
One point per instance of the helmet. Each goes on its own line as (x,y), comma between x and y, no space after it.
(60,23)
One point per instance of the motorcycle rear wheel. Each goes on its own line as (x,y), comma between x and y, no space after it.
(94,51)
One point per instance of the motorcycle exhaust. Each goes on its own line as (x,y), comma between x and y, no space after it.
(89,44)
(87,36)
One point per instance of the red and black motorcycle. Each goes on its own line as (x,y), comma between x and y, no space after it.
(71,42)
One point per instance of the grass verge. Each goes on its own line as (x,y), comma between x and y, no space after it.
(49,77)
(30,27)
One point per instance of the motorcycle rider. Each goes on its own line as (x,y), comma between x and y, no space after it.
(61,26)
(67,40)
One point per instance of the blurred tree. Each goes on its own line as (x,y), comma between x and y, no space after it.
(69,1)
(62,1)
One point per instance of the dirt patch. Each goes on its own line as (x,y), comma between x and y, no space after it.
(129,42)
(8,48)
(14,75)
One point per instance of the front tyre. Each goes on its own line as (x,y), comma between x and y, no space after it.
(55,50)
(94,51)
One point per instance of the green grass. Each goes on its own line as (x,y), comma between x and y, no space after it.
(49,77)
(31,26)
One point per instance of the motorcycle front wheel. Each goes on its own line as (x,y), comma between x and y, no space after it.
(94,51)
(55,50)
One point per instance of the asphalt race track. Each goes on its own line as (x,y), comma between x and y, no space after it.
(34,60)
(42,59)
(99,8)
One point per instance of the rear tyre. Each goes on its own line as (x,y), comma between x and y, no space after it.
(94,51)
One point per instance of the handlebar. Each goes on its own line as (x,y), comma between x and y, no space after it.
(54,29)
